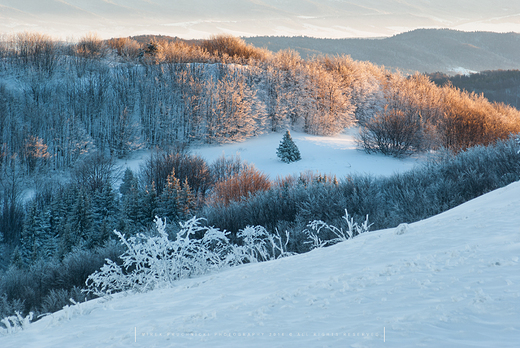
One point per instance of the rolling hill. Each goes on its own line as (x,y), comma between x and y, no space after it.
(423,50)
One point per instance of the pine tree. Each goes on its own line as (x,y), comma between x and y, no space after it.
(103,214)
(187,199)
(288,151)
(169,200)
(81,220)
(28,235)
(131,209)
(46,241)
(149,205)
(129,180)
(37,240)
(17,259)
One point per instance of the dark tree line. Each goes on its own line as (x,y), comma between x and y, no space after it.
(501,86)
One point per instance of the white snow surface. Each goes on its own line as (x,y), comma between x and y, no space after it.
(448,281)
(337,155)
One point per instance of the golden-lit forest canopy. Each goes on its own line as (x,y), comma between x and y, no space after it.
(59,101)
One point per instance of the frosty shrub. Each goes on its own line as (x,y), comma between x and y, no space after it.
(392,132)
(239,187)
(318,227)
(287,150)
(225,167)
(58,299)
(260,245)
(154,260)
(15,323)
(8,307)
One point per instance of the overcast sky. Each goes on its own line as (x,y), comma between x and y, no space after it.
(202,18)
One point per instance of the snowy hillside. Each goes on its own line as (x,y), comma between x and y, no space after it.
(451,281)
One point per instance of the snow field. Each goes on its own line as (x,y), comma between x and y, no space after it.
(338,155)
(450,280)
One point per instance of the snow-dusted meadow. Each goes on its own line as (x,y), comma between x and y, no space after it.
(337,155)
(451,280)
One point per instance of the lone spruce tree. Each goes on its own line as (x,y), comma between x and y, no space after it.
(288,151)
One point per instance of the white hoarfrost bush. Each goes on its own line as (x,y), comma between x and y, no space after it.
(260,245)
(155,260)
(15,323)
(340,235)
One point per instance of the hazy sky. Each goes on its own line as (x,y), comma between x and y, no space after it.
(201,18)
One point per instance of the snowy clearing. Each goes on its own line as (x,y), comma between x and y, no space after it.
(450,280)
(338,155)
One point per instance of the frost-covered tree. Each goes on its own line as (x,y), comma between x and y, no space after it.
(148,204)
(131,209)
(129,181)
(287,150)
(169,198)
(37,238)
(186,199)
(103,214)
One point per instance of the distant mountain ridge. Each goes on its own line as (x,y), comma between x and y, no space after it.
(198,19)
(423,50)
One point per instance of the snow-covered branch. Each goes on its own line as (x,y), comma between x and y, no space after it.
(154,260)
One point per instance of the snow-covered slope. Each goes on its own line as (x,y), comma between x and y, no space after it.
(449,281)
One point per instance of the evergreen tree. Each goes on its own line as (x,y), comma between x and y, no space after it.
(81,221)
(58,212)
(28,235)
(288,151)
(169,200)
(37,240)
(17,259)
(45,242)
(148,205)
(103,216)
(63,207)
(129,180)
(187,199)
(131,209)
(3,256)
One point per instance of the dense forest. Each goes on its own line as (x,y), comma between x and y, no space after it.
(68,110)
(501,86)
